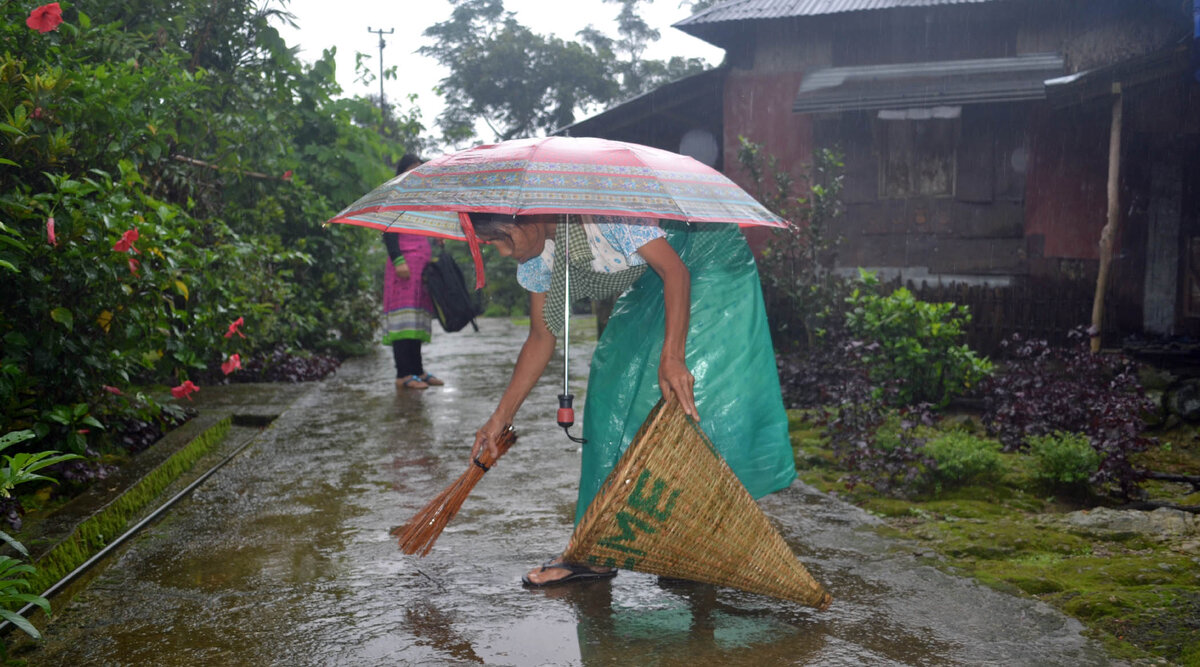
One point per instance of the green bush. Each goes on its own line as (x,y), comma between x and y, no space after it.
(163,175)
(14,573)
(914,345)
(1064,459)
(961,457)
(801,292)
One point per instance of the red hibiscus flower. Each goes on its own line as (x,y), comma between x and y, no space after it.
(287,175)
(45,18)
(185,390)
(50,237)
(126,242)
(232,364)
(234,328)
(133,266)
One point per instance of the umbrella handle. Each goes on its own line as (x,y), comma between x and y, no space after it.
(566,416)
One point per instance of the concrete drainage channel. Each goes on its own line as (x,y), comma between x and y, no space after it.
(68,545)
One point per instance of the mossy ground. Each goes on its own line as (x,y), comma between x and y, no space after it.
(1140,595)
(90,536)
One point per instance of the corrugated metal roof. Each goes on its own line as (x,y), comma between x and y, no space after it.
(749,10)
(686,99)
(904,85)
(1171,63)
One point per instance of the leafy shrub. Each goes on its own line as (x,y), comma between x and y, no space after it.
(1043,389)
(814,376)
(881,445)
(917,343)
(960,457)
(163,174)
(278,365)
(1064,459)
(803,296)
(19,469)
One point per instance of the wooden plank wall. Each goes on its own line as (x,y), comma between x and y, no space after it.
(1037,307)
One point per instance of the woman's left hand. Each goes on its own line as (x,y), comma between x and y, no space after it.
(674,378)
(677,381)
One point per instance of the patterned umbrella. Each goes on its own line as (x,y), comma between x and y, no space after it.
(580,175)
(553,175)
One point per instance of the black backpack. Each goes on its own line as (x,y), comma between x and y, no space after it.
(453,304)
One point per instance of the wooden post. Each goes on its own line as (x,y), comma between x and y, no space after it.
(1110,226)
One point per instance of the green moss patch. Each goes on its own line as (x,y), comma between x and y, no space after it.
(1134,599)
(90,536)
(1138,594)
(1177,451)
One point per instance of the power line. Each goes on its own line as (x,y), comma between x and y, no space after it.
(381,33)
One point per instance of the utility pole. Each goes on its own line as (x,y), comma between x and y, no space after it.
(381,33)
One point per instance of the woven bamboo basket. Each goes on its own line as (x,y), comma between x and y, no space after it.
(674,508)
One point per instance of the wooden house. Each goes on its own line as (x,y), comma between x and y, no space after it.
(976,136)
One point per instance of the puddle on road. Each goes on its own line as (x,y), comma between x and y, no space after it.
(284,558)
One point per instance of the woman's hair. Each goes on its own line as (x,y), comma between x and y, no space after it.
(492,226)
(407,162)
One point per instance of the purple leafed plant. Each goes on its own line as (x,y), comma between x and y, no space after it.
(1043,389)
(877,443)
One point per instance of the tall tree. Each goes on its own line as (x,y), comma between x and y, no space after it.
(697,6)
(514,80)
(519,82)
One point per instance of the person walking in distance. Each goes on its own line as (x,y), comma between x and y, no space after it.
(407,308)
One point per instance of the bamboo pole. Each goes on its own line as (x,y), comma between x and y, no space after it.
(1110,226)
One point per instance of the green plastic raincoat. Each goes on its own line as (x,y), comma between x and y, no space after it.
(729,352)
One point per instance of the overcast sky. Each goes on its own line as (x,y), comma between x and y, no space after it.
(344,24)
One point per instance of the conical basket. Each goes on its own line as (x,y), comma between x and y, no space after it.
(674,508)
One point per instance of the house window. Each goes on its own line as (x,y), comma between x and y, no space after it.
(917,149)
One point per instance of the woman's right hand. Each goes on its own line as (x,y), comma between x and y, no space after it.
(535,354)
(487,436)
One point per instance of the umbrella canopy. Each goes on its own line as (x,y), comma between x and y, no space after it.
(580,175)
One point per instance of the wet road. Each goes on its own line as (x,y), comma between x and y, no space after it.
(284,557)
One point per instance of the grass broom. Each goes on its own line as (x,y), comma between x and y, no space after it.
(421,531)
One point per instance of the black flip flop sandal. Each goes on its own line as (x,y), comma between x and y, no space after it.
(575,573)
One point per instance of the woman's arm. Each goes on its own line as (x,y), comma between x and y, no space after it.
(674,378)
(391,241)
(531,362)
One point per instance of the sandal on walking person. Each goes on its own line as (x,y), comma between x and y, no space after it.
(574,572)
(432,380)
(411,382)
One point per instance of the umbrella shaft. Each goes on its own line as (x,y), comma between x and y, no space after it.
(566,310)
